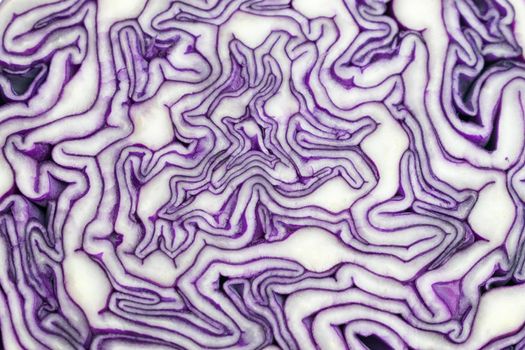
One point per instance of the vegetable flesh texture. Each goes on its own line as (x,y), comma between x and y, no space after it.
(262,174)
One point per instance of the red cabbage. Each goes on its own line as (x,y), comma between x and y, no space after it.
(262,174)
